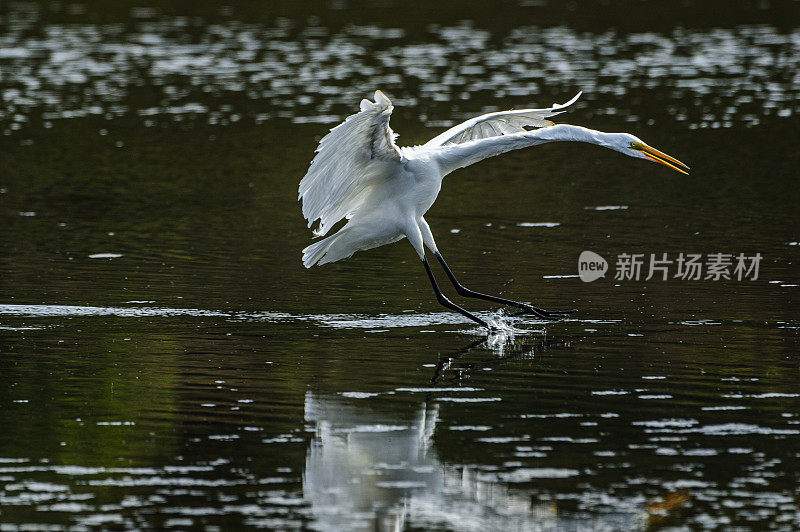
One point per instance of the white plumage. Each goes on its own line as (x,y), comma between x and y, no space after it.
(360,174)
(500,123)
(360,154)
(353,156)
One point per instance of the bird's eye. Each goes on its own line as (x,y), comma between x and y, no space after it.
(636,145)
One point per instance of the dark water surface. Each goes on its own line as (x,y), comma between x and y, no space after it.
(167,363)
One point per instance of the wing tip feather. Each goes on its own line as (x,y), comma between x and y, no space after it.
(381,99)
(565,105)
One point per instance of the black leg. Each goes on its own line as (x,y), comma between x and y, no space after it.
(446,302)
(464,291)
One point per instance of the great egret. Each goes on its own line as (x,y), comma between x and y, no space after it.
(383,190)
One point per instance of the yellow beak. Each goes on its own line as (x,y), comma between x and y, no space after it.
(660,157)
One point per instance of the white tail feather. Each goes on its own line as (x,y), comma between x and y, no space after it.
(329,249)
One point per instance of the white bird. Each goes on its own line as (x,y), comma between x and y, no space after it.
(383,190)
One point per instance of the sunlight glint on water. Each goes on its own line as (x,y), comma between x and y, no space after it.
(67,71)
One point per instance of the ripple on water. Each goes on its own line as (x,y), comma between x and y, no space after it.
(504,329)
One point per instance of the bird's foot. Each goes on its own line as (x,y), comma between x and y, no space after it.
(542,313)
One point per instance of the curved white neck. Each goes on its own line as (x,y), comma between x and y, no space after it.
(456,156)
(570,133)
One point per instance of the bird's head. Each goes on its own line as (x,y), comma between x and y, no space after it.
(634,146)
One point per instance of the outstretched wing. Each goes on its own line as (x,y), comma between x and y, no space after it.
(500,123)
(348,161)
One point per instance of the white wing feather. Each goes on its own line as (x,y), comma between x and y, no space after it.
(499,123)
(348,160)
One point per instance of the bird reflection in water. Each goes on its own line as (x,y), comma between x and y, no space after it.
(364,473)
(504,349)
(365,470)
(369,468)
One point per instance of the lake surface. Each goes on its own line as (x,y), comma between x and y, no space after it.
(167,363)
